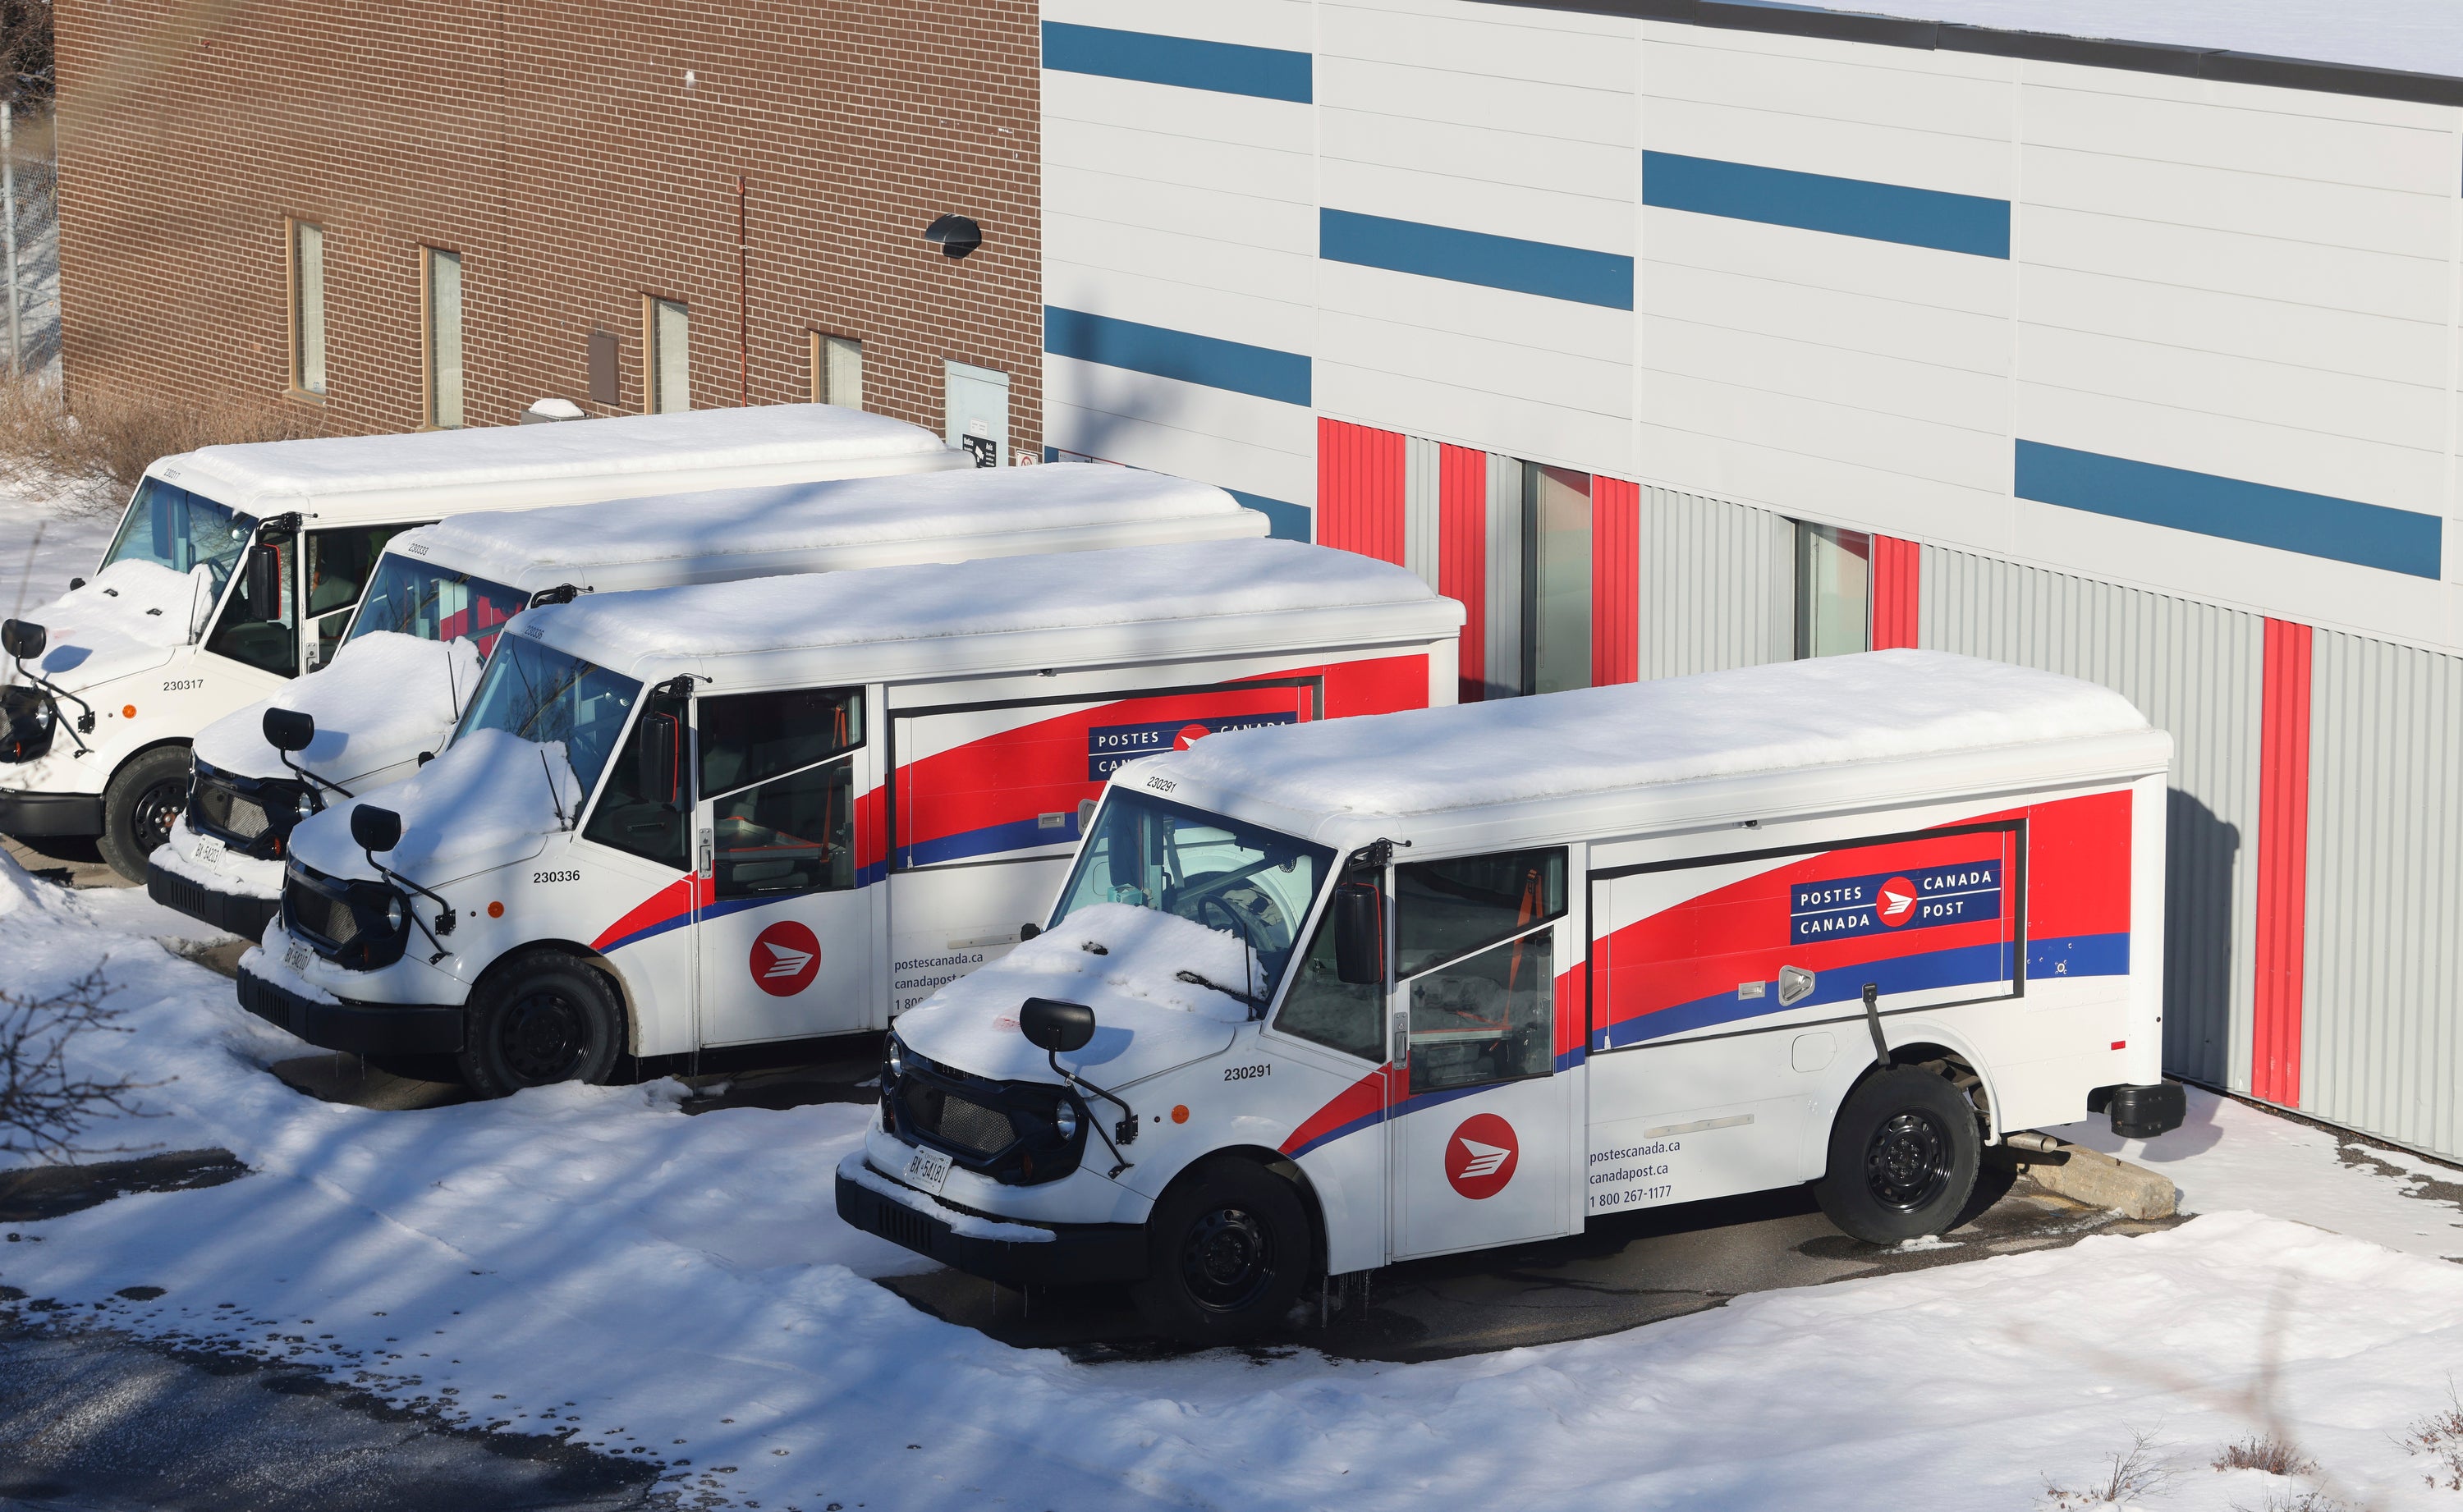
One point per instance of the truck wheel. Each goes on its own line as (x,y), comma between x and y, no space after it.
(138,807)
(549,1019)
(1902,1156)
(1227,1251)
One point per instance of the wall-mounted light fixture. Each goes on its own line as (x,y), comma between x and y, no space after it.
(955,235)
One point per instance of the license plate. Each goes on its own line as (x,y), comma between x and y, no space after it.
(926,1170)
(209,849)
(295,955)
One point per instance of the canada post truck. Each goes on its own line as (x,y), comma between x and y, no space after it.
(1313,1000)
(737,813)
(236,569)
(439,595)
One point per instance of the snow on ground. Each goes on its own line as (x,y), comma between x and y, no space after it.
(590,1260)
(74,534)
(2229,1156)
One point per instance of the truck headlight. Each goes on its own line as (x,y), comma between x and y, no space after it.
(306,803)
(395,912)
(1064,1120)
(897,1056)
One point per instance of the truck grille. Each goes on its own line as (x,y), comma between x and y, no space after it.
(321,918)
(959,1121)
(228,813)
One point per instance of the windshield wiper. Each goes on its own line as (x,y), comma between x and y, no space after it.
(1256,1004)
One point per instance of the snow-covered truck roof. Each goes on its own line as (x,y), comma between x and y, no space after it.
(1081,608)
(2416,36)
(343,478)
(1822,716)
(669,539)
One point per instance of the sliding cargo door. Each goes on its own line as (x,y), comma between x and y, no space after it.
(988,801)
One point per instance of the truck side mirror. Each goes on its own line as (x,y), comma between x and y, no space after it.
(1360,934)
(375,828)
(289,730)
(264,585)
(1054,1027)
(657,743)
(23,640)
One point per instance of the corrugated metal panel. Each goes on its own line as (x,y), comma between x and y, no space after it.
(1715,586)
(2381,1044)
(2196,671)
(1898,580)
(1616,568)
(1420,540)
(1503,661)
(1462,508)
(2282,928)
(1360,489)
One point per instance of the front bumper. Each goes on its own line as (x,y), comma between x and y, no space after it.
(231,913)
(363,1028)
(37,815)
(1076,1254)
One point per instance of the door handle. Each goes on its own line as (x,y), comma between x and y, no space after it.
(708,854)
(1403,1038)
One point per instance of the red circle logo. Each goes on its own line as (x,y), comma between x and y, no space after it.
(1189,735)
(1481,1155)
(1895,901)
(786,958)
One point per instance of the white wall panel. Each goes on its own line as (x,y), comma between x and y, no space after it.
(1867,323)
(2302,272)
(1072,242)
(1898,444)
(2231,447)
(1586,333)
(1287,325)
(1472,417)
(2418,159)
(2236,325)
(1846,149)
(1874,86)
(1817,260)
(1286,24)
(1478,204)
(1674,448)
(1863,381)
(1484,154)
(1190,211)
(1233,441)
(1203,115)
(1717,585)
(1531,106)
(1578,385)
(1139,153)
(1468,39)
(2253,204)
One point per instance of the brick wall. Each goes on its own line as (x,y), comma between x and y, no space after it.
(561,150)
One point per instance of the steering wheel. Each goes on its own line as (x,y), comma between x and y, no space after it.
(1228,901)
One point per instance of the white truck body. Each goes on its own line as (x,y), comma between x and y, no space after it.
(1627,934)
(439,595)
(161,643)
(877,777)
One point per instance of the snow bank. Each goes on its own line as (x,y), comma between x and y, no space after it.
(1123,962)
(760,435)
(382,700)
(820,516)
(486,802)
(990,596)
(2424,36)
(1829,711)
(588,1262)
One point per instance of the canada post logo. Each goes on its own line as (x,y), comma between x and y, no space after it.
(1108,745)
(1844,907)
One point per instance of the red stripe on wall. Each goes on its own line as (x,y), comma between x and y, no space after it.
(1462,554)
(1360,489)
(1616,581)
(2282,864)
(1898,571)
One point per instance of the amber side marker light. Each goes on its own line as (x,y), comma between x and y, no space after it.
(1180,1113)
(495,910)
(128,711)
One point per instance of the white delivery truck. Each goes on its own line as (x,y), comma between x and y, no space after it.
(237,568)
(1314,1000)
(440,595)
(757,811)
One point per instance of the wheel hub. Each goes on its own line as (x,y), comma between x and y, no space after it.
(543,1037)
(1907,1164)
(1228,1260)
(156,808)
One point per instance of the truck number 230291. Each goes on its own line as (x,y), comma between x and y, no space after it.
(1242,1074)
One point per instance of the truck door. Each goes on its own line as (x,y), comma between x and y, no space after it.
(784,930)
(1483,1145)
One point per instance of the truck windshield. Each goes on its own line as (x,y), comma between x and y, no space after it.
(171,527)
(1226,875)
(543,695)
(412,598)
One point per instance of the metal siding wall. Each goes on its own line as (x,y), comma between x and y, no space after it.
(1504,657)
(2382,1042)
(1716,587)
(1360,489)
(2282,866)
(2196,671)
(1420,544)
(1898,577)
(1462,508)
(1616,567)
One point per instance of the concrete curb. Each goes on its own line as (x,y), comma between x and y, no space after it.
(2093,1177)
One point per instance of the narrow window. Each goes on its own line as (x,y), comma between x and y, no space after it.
(443,338)
(669,367)
(1557,561)
(778,771)
(339,565)
(632,814)
(1834,611)
(307,306)
(837,371)
(1474,942)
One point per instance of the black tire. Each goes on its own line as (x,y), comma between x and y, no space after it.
(547,1018)
(1228,1251)
(144,797)
(1904,1152)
